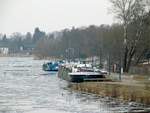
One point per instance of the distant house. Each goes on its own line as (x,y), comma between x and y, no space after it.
(4,50)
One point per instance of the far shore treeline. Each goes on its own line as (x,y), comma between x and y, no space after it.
(127,41)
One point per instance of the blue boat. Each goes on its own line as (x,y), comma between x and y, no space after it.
(51,66)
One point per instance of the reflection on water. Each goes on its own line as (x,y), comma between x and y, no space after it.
(25,88)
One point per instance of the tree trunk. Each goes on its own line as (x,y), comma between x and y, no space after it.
(125,59)
(125,48)
(131,54)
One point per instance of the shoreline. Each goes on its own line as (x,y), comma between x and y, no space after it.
(118,90)
(16,55)
(133,88)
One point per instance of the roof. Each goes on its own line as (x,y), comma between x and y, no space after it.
(84,73)
(84,65)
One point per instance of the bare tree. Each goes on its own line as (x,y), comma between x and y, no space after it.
(128,11)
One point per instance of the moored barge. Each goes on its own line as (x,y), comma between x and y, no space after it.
(67,73)
(85,76)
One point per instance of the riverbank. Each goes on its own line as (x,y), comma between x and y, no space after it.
(15,55)
(126,90)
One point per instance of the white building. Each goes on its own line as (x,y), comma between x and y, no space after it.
(4,50)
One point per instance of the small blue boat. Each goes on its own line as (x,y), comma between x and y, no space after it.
(51,66)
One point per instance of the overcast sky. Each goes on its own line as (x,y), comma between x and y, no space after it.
(51,15)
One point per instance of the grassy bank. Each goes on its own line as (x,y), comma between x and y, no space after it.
(121,90)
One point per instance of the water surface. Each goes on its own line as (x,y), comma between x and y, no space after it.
(25,88)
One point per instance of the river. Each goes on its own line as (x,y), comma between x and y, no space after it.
(25,88)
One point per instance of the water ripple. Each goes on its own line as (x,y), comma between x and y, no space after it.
(25,88)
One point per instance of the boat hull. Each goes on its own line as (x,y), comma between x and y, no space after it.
(66,74)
